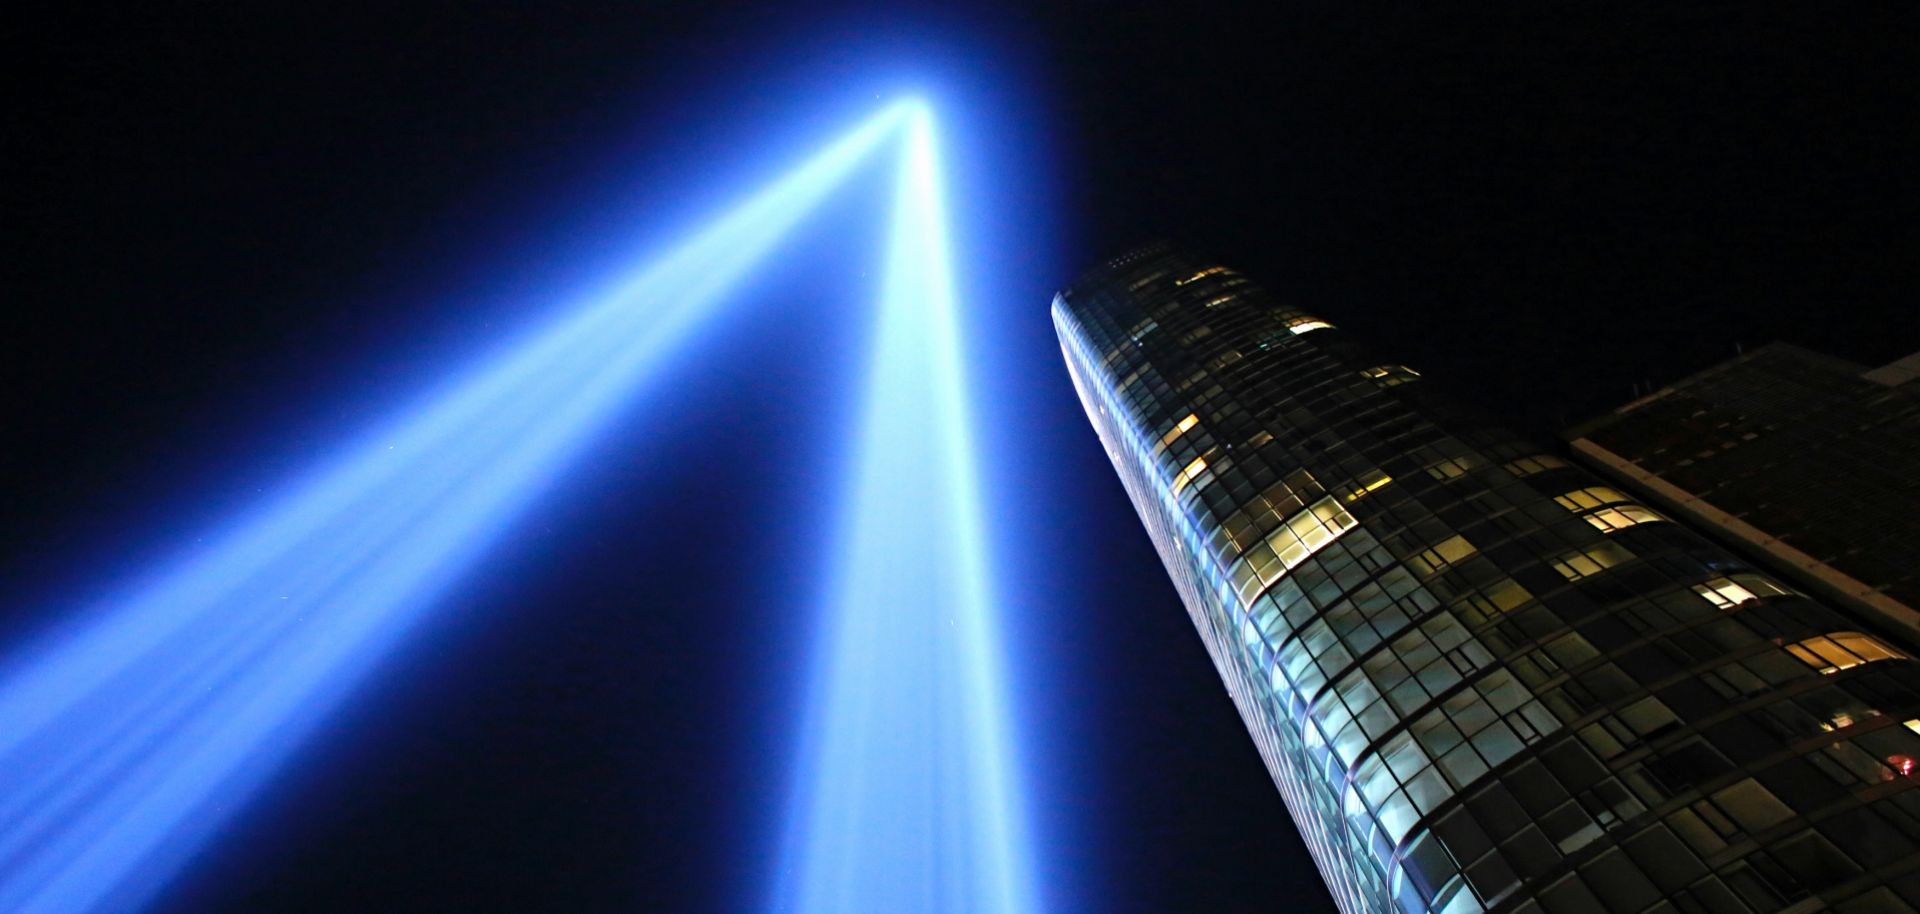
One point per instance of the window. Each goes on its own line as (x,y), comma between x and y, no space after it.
(1444,553)
(1300,325)
(1300,536)
(1495,599)
(1180,428)
(1452,467)
(1389,375)
(1591,560)
(1728,592)
(1210,271)
(1620,517)
(1835,651)
(1539,463)
(1606,509)
(1260,438)
(1143,282)
(1193,470)
(1224,359)
(1589,497)
(1374,481)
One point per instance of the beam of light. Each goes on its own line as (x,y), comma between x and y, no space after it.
(130,734)
(906,799)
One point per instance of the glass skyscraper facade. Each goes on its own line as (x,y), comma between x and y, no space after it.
(1482,678)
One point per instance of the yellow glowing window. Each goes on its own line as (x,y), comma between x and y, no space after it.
(1190,421)
(1452,468)
(1379,478)
(1210,271)
(1729,592)
(1539,463)
(1620,517)
(1259,439)
(1444,553)
(1913,724)
(1589,497)
(1835,651)
(1502,596)
(1300,325)
(1222,300)
(1304,534)
(1193,470)
(1580,563)
(1389,375)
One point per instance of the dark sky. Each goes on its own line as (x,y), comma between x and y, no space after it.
(228,230)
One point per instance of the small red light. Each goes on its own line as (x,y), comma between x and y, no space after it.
(1902,764)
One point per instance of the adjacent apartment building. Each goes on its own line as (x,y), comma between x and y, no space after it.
(1803,461)
(1482,678)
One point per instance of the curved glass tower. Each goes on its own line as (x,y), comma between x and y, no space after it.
(1482,679)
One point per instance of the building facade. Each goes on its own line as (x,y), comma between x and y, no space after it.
(1482,678)
(1805,462)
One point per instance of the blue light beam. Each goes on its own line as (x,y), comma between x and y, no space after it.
(906,798)
(132,733)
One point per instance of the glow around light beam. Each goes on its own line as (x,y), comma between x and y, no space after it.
(129,735)
(906,798)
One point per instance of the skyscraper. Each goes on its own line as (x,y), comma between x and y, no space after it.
(1482,679)
(1805,462)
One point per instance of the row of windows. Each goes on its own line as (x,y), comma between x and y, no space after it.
(1411,710)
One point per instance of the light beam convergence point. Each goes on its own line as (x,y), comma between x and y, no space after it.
(133,732)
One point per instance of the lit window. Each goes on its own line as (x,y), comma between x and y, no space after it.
(1303,534)
(1379,478)
(1389,375)
(1259,438)
(1539,463)
(1836,651)
(1502,596)
(1606,509)
(1210,271)
(1142,329)
(1620,517)
(1580,563)
(1224,299)
(1300,325)
(1452,467)
(1728,592)
(1913,724)
(1310,531)
(1446,552)
(1180,428)
(1589,497)
(1193,470)
(1224,359)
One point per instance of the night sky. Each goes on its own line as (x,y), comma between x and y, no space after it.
(233,235)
